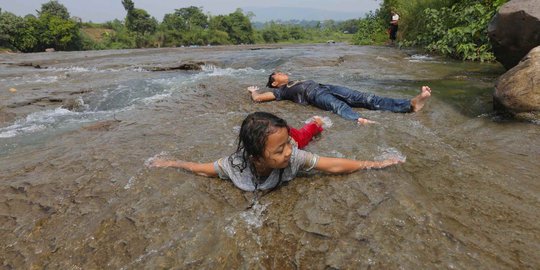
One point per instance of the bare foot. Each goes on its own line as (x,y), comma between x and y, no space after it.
(419,101)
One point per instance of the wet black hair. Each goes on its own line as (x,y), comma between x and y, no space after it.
(271,80)
(254,133)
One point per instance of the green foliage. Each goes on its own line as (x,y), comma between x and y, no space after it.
(9,28)
(59,33)
(139,21)
(120,38)
(236,25)
(218,37)
(456,28)
(87,43)
(27,37)
(185,19)
(186,26)
(94,25)
(140,25)
(128,5)
(51,29)
(274,32)
(349,26)
(371,30)
(53,8)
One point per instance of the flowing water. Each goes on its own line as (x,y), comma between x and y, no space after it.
(76,192)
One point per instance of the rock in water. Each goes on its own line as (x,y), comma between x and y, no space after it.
(515,30)
(74,104)
(518,90)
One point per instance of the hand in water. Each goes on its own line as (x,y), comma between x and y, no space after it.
(395,160)
(252,89)
(364,121)
(391,161)
(160,163)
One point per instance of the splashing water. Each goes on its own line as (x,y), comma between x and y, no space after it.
(327,122)
(390,153)
(254,216)
(149,161)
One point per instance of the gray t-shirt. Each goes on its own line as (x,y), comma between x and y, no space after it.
(300,160)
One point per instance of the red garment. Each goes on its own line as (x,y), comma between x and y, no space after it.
(304,135)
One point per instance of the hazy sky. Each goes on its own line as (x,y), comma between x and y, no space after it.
(106,10)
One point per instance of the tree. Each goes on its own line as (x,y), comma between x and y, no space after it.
(236,25)
(349,26)
(216,37)
(139,22)
(186,19)
(186,26)
(27,37)
(10,25)
(128,5)
(54,28)
(53,8)
(120,38)
(59,33)
(51,29)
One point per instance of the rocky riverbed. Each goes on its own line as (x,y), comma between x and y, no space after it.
(77,130)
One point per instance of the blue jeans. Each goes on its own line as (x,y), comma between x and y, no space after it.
(339,100)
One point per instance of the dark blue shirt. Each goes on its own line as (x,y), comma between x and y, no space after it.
(297,91)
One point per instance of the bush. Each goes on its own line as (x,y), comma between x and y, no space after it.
(453,28)
(371,30)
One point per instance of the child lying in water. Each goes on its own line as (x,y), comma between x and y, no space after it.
(265,157)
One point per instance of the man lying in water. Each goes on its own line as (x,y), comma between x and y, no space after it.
(337,99)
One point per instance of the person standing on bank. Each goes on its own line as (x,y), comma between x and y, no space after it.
(337,99)
(393,27)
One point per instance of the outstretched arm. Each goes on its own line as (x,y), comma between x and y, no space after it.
(204,169)
(260,97)
(343,165)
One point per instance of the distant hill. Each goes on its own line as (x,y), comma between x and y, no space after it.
(285,14)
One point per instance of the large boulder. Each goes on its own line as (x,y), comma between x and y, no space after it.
(518,90)
(515,30)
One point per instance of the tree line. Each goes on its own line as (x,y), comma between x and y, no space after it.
(54,28)
(455,28)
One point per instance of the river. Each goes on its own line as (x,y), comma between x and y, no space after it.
(76,192)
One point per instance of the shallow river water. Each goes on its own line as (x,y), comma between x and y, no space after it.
(75,191)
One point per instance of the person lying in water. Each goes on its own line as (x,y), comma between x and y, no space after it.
(338,99)
(265,157)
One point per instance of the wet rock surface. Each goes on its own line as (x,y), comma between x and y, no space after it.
(76,192)
(182,66)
